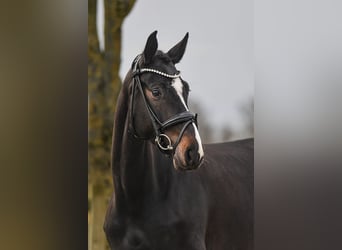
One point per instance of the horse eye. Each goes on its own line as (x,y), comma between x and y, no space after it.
(156,92)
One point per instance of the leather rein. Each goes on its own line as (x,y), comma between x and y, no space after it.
(162,140)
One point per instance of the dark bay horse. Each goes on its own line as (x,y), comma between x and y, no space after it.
(170,192)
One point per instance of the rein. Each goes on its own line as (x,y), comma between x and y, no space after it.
(162,140)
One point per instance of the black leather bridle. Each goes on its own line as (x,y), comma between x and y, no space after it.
(162,140)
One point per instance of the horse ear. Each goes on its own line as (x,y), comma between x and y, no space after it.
(150,47)
(176,53)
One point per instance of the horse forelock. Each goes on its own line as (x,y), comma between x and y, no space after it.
(163,57)
(161,61)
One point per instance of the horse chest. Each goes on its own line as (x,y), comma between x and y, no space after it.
(159,226)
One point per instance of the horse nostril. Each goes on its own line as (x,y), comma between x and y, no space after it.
(188,156)
(191,157)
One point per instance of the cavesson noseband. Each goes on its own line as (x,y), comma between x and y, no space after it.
(161,139)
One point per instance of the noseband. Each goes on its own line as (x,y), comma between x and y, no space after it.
(161,139)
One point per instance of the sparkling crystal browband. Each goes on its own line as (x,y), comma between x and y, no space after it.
(160,73)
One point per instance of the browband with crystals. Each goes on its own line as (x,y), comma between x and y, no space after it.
(160,73)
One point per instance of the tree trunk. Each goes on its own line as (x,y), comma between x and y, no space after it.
(103,88)
(101,190)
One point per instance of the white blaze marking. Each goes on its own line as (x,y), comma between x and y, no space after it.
(198,138)
(178,86)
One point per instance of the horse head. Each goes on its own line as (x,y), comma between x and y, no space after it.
(158,104)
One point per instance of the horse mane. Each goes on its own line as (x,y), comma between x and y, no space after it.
(120,116)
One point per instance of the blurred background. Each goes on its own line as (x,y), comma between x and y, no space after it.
(218,64)
(45,101)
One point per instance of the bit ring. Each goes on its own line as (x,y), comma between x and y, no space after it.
(158,141)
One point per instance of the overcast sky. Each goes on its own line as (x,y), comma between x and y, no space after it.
(218,63)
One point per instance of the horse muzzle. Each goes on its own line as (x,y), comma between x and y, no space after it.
(189,153)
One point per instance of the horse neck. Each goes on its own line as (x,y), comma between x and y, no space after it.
(138,169)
